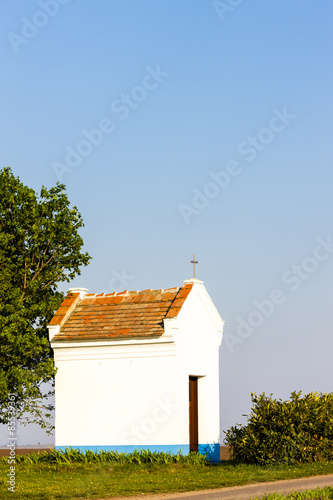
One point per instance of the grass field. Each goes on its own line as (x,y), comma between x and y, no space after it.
(45,480)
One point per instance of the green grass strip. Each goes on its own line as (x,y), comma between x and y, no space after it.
(69,475)
(140,457)
(317,494)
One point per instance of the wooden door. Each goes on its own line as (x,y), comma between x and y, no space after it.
(193,410)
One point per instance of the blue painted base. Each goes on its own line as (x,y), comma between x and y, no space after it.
(212,450)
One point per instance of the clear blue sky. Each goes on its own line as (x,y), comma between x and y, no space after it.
(186,92)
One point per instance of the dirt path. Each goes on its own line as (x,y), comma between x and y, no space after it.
(244,492)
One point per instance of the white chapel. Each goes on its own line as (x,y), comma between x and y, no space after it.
(138,370)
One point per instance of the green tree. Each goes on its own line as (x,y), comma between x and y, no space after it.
(39,247)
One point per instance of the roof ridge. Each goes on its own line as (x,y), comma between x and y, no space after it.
(127,292)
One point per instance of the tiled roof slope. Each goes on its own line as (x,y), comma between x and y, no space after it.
(118,315)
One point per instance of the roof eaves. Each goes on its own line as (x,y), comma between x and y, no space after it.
(66,309)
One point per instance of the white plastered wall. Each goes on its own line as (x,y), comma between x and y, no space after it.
(198,338)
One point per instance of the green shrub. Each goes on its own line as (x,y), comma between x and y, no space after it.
(294,431)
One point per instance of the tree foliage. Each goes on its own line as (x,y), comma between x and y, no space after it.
(39,247)
(295,431)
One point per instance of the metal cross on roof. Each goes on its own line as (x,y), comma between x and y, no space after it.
(194,262)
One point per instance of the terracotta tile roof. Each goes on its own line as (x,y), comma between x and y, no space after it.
(118,315)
